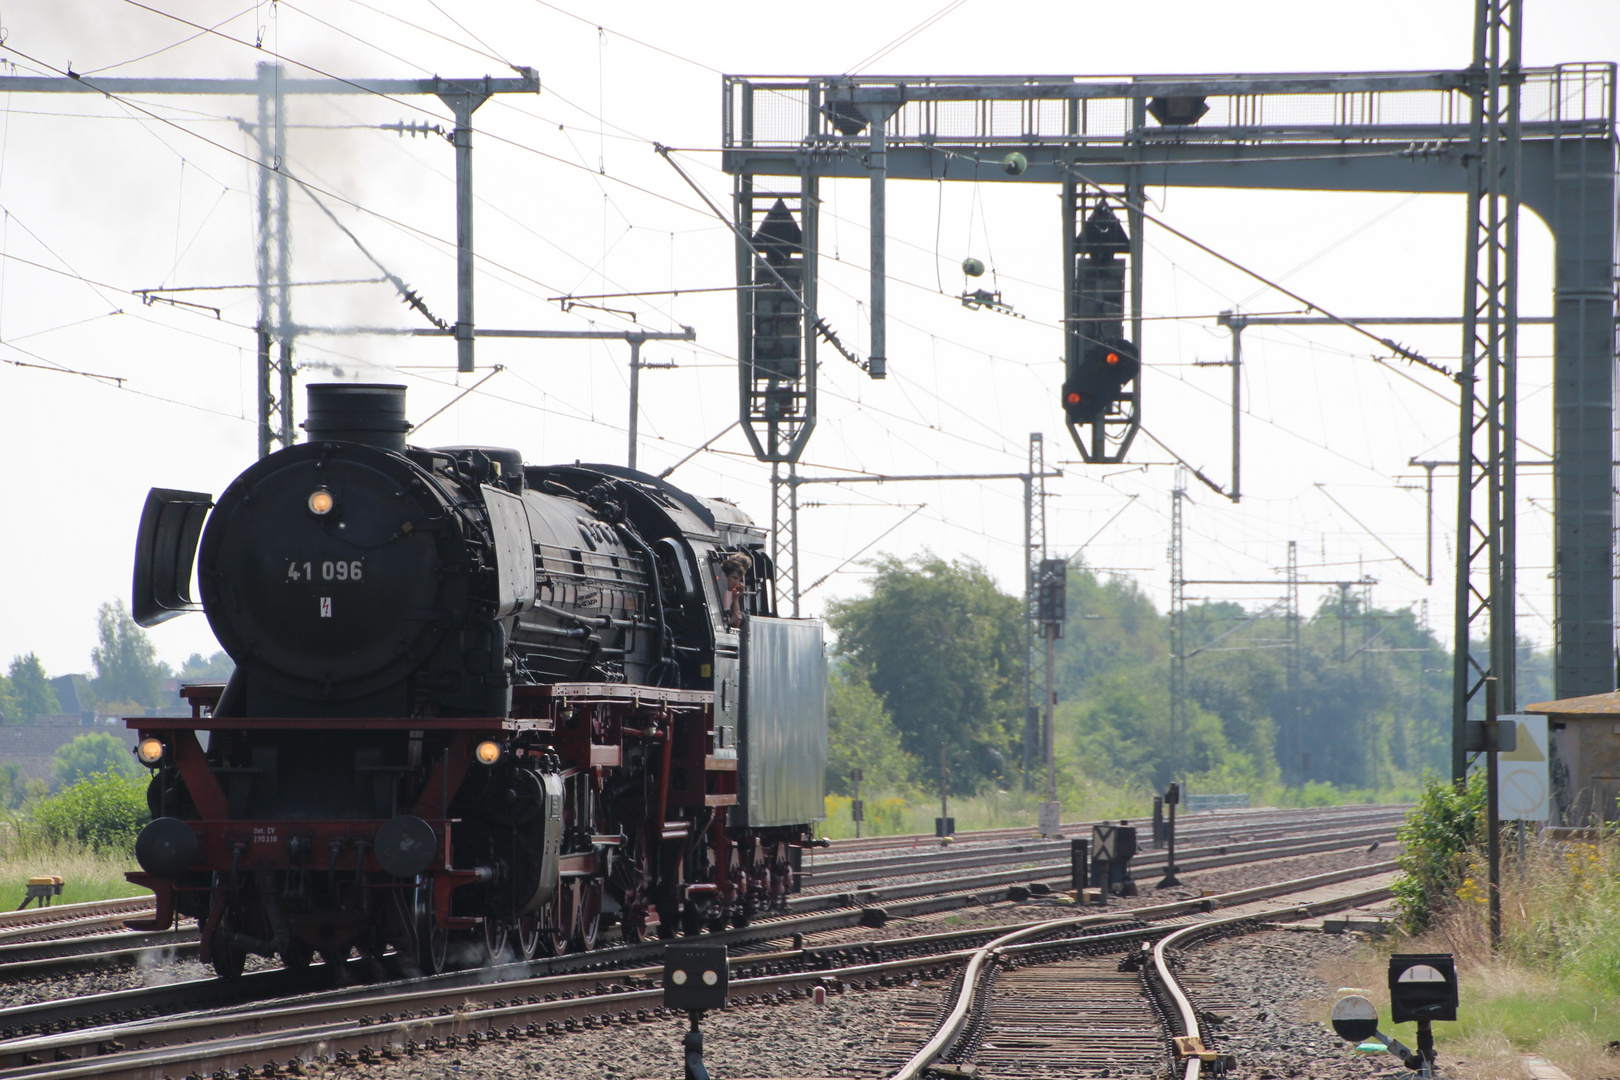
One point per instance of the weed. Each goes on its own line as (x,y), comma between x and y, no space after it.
(87,874)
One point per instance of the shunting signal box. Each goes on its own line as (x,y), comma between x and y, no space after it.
(696,977)
(1422,987)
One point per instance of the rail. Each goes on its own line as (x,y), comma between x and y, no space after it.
(951,1027)
(1195,804)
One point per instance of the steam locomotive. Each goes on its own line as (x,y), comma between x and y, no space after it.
(478,706)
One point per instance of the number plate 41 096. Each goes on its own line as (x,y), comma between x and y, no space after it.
(325,571)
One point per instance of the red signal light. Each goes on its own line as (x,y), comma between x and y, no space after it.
(1111,359)
(1074,397)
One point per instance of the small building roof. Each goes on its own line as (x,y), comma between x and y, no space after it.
(1590,705)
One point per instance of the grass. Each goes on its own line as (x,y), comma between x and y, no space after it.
(1552,990)
(86,874)
(890,814)
(1506,1010)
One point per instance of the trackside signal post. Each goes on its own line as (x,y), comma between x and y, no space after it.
(696,978)
(1052,587)
(1100,394)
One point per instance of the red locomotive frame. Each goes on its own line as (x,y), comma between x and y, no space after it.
(589,727)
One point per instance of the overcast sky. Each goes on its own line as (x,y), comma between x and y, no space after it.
(103,196)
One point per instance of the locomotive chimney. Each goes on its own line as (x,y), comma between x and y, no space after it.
(370,413)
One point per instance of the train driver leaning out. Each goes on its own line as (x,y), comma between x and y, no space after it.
(735,568)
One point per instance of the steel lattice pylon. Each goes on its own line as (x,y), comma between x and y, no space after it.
(1294,739)
(275,414)
(1178,626)
(1034,554)
(785,530)
(1488,422)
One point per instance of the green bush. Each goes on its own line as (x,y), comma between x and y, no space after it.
(1438,840)
(103,811)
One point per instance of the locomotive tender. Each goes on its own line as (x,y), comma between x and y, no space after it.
(473,700)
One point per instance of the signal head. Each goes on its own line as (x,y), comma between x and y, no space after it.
(1081,404)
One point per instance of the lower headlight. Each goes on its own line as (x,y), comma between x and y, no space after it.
(150,750)
(488,752)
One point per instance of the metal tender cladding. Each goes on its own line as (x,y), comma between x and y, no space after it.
(784,722)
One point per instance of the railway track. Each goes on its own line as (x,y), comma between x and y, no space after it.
(53,951)
(65,920)
(1231,820)
(1033,1004)
(828,871)
(348,1027)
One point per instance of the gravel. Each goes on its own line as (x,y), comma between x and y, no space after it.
(794,1039)
(857,1034)
(1274,1005)
(866,1034)
(15,992)
(1264,986)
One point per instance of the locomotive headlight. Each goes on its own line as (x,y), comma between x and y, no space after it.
(150,751)
(320,502)
(488,752)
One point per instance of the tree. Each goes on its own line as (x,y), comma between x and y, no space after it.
(1120,730)
(97,752)
(861,735)
(1367,707)
(9,709)
(1111,624)
(943,647)
(13,788)
(31,689)
(127,669)
(215,669)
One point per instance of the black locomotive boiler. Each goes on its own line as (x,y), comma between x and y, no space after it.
(473,700)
